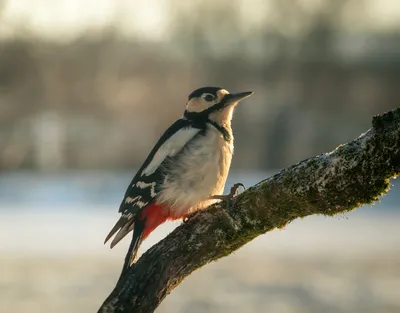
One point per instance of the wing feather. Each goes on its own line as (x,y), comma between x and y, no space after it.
(170,148)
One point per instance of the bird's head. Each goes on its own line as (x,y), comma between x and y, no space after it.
(213,103)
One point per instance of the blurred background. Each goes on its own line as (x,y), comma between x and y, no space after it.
(86,89)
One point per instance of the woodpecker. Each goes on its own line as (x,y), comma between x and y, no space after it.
(186,170)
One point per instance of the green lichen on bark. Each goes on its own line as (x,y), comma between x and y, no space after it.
(352,175)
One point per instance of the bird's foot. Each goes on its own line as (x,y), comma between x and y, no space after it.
(230,198)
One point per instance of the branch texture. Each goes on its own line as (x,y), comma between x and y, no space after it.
(352,175)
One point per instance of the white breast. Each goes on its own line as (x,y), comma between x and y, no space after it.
(200,171)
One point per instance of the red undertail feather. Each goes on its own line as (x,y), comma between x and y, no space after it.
(154,216)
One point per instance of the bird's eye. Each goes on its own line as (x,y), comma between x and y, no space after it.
(208,97)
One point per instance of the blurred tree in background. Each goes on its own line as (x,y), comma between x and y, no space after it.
(101,99)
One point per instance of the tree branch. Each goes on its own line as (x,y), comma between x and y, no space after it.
(353,174)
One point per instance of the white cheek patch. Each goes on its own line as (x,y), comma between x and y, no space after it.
(171,147)
(197,105)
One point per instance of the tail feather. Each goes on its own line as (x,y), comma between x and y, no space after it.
(135,243)
(123,226)
(126,229)
(142,225)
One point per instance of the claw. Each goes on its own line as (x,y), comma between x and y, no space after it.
(235,189)
(230,198)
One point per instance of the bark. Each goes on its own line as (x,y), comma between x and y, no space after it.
(352,175)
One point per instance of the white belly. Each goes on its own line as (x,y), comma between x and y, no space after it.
(199,172)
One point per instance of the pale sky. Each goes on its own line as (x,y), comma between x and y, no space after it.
(66,19)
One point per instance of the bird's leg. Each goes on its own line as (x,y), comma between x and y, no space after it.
(230,198)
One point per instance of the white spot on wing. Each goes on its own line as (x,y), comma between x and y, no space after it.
(170,147)
(141,204)
(136,201)
(127,215)
(143,185)
(130,200)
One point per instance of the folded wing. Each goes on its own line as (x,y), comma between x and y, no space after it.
(148,180)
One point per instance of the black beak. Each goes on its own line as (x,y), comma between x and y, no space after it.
(232,98)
